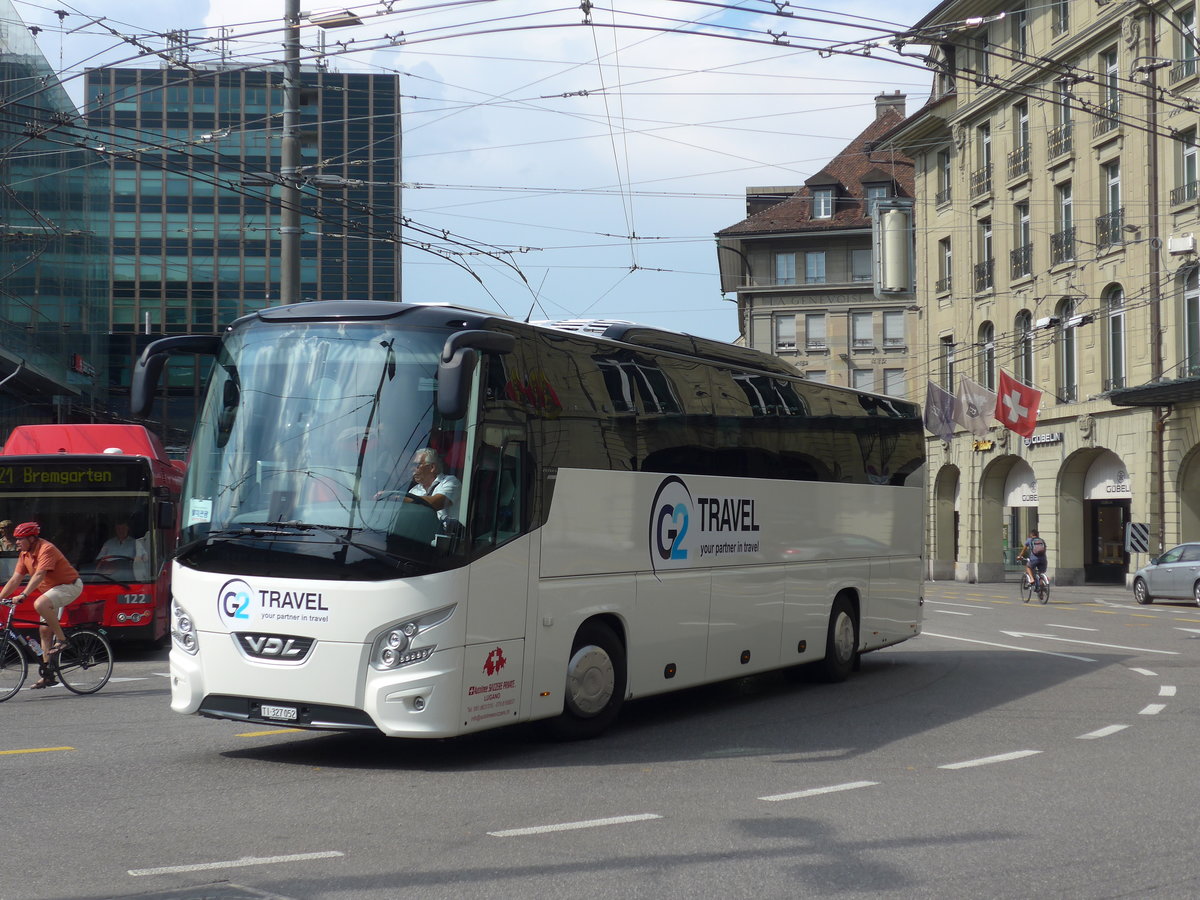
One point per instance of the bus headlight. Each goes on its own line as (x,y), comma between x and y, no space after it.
(183,631)
(393,648)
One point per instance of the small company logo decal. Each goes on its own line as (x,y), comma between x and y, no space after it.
(234,602)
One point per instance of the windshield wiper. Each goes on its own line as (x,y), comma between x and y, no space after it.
(295,529)
(105,576)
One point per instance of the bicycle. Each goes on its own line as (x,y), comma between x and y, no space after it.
(1040,586)
(83,666)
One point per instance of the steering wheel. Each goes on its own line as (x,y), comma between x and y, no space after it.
(417,498)
(110,564)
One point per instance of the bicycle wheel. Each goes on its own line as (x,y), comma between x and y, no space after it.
(1044,590)
(86,663)
(1026,589)
(13,669)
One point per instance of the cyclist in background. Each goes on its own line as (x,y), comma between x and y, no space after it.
(1035,555)
(48,569)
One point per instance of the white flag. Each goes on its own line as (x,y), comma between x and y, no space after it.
(975,407)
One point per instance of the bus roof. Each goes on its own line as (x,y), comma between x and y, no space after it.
(44,440)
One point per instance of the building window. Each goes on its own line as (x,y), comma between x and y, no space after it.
(822,203)
(983,53)
(1110,92)
(893,383)
(981,178)
(1023,344)
(946,362)
(785,333)
(1186,50)
(863,379)
(1060,17)
(785,268)
(893,329)
(875,193)
(1062,241)
(985,268)
(814,267)
(1059,141)
(860,264)
(1020,31)
(945,266)
(819,376)
(1018,159)
(944,177)
(987,355)
(1109,225)
(1191,319)
(1021,256)
(1067,368)
(862,330)
(1185,168)
(814,331)
(1114,338)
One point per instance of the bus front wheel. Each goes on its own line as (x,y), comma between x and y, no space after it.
(841,643)
(595,684)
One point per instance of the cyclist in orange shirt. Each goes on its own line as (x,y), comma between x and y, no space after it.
(49,570)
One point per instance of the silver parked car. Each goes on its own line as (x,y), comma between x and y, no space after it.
(1175,576)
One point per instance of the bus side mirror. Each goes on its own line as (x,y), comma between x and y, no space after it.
(164,514)
(149,366)
(460,356)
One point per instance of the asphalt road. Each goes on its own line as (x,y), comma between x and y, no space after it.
(1011,751)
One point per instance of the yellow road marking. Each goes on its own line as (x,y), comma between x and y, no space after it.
(265,733)
(34,750)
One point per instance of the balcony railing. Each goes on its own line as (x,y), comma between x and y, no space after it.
(1183,69)
(1106,118)
(1115,383)
(1185,193)
(1021,261)
(864,343)
(942,197)
(1018,162)
(981,181)
(943,285)
(1060,140)
(1062,246)
(1068,393)
(896,341)
(1108,228)
(984,275)
(815,344)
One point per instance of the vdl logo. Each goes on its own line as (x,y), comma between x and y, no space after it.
(233,602)
(670,515)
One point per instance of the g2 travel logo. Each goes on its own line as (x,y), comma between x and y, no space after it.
(670,522)
(234,602)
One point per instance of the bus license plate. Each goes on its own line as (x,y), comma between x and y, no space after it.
(286,713)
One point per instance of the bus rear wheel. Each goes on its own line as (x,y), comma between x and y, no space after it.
(841,644)
(595,684)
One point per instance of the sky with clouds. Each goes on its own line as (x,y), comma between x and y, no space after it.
(597,151)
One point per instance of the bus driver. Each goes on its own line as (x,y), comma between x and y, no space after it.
(433,486)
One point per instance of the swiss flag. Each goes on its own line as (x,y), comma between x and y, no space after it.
(1017,405)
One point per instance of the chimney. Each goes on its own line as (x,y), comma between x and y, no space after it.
(886,102)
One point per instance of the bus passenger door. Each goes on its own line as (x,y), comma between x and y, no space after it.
(499,588)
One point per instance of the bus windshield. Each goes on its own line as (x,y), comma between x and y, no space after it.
(303,453)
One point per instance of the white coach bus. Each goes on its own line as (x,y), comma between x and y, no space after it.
(639,511)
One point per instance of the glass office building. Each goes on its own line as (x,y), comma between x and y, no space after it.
(193,218)
(52,286)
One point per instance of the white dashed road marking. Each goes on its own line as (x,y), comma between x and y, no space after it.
(1102,732)
(988,760)
(572,826)
(815,792)
(237,863)
(1153,709)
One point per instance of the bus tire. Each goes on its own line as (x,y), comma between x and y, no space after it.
(841,644)
(594,684)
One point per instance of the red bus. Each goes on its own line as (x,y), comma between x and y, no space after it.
(106,496)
